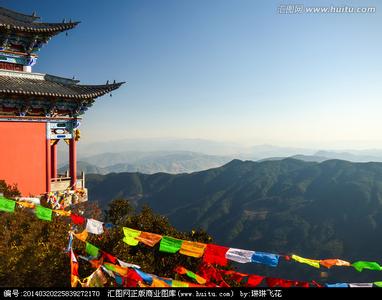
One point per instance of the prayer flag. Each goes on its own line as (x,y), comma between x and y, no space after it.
(265,258)
(360,265)
(127,265)
(328,263)
(91,250)
(97,279)
(215,254)
(76,219)
(117,269)
(63,213)
(130,235)
(147,278)
(178,284)
(109,257)
(26,204)
(170,244)
(254,280)
(196,277)
(311,262)
(94,226)
(73,269)
(43,213)
(238,255)
(82,236)
(7,205)
(277,282)
(336,285)
(192,249)
(361,285)
(149,239)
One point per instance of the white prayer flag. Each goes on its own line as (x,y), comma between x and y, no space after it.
(94,226)
(239,255)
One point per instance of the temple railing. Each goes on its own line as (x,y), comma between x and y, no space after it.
(62,183)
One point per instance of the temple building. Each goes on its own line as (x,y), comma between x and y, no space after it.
(38,111)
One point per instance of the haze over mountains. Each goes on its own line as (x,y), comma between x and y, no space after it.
(149,162)
(189,155)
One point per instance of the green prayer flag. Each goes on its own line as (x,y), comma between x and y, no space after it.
(7,205)
(378,283)
(170,244)
(370,265)
(43,213)
(130,235)
(91,250)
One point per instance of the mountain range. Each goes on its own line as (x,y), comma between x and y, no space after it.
(148,162)
(317,210)
(190,155)
(175,162)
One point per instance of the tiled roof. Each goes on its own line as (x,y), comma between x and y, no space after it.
(14,20)
(44,85)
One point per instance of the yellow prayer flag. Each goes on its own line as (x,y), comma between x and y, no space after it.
(63,213)
(130,235)
(26,204)
(193,249)
(311,262)
(82,236)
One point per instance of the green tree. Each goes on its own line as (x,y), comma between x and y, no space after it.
(150,259)
(33,251)
(8,190)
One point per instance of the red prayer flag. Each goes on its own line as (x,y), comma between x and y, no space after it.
(277,282)
(109,257)
(302,284)
(215,254)
(131,279)
(73,269)
(209,273)
(79,220)
(254,280)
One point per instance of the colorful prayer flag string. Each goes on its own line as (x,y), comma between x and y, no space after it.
(209,252)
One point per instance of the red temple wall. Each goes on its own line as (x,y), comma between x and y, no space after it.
(23,156)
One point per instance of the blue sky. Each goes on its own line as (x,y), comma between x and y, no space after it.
(232,70)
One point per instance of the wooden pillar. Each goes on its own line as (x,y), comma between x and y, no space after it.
(73,162)
(48,166)
(53,157)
